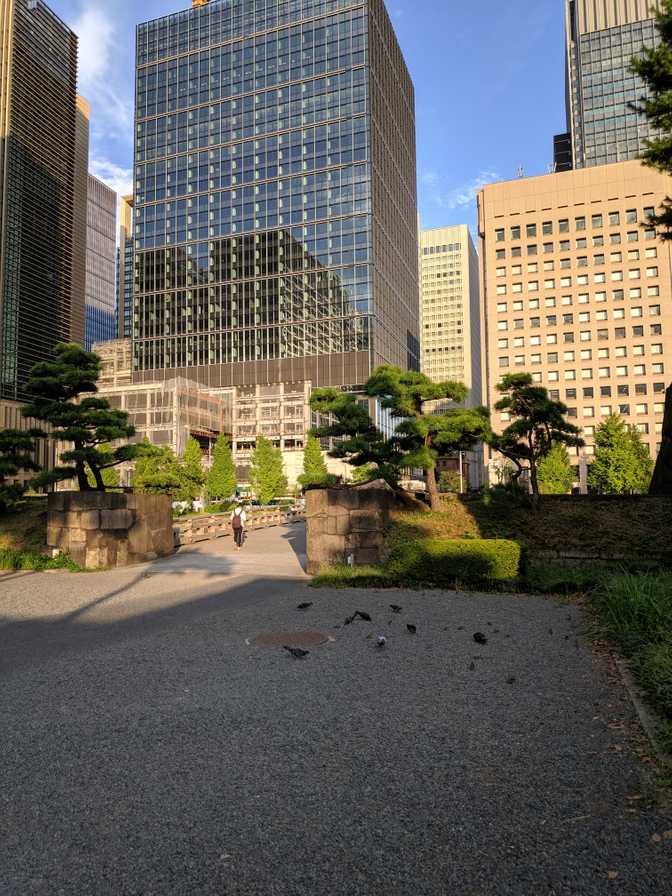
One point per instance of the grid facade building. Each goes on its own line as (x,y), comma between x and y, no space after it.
(601,40)
(275,197)
(577,291)
(125,270)
(450,308)
(38,131)
(101,260)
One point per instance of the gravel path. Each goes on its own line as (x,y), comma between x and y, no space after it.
(148,749)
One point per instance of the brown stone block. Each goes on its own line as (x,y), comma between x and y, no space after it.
(57,537)
(56,502)
(365,520)
(77,536)
(370,539)
(82,519)
(346,498)
(367,556)
(121,518)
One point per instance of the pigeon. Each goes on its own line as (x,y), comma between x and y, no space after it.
(511,679)
(480,638)
(297,652)
(411,628)
(460,628)
(348,620)
(362,615)
(396,608)
(305,605)
(472,666)
(382,641)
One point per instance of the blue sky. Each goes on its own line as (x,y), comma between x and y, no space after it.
(489,85)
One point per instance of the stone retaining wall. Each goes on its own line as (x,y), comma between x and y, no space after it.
(102,529)
(347,525)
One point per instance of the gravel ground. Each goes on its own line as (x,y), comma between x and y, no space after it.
(151,750)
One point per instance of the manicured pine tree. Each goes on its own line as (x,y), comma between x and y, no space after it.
(221,481)
(267,478)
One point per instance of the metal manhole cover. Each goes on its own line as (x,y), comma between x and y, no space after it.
(292,639)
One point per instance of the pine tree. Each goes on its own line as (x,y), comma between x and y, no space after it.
(221,481)
(17,449)
(314,468)
(87,422)
(267,478)
(156,471)
(622,464)
(538,424)
(192,477)
(556,475)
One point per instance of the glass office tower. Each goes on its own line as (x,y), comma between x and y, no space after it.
(275,194)
(601,40)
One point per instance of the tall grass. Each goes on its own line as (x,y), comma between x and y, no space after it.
(33,561)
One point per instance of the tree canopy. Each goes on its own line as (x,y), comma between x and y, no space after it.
(17,453)
(56,389)
(267,477)
(622,464)
(556,475)
(314,468)
(221,482)
(538,423)
(190,472)
(156,471)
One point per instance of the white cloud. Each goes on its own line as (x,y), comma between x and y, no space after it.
(112,112)
(456,197)
(118,178)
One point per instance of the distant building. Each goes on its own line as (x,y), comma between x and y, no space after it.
(562,152)
(125,270)
(101,255)
(576,291)
(275,200)
(39,153)
(601,40)
(450,307)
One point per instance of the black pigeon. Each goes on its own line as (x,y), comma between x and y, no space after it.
(472,666)
(348,620)
(460,628)
(305,605)
(411,628)
(396,608)
(362,615)
(511,679)
(297,652)
(480,638)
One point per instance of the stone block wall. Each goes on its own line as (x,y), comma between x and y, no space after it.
(102,529)
(347,522)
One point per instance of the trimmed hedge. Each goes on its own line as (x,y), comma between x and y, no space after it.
(443,562)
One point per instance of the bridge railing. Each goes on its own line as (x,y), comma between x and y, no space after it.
(193,529)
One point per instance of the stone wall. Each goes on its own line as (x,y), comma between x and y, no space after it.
(347,522)
(102,529)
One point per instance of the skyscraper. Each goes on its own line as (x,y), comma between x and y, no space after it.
(125,269)
(101,260)
(450,307)
(275,194)
(38,108)
(601,39)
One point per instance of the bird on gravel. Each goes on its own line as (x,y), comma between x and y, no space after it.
(511,679)
(305,605)
(396,608)
(382,641)
(480,638)
(297,652)
(472,666)
(348,620)
(411,628)
(362,615)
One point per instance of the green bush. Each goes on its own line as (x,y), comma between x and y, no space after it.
(34,562)
(443,562)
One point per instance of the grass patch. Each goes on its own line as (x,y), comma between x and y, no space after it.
(635,611)
(34,562)
(343,576)
(25,529)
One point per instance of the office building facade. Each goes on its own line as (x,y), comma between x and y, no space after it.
(601,40)
(125,269)
(101,262)
(450,308)
(577,291)
(275,231)
(38,125)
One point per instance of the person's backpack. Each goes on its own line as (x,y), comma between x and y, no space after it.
(237,522)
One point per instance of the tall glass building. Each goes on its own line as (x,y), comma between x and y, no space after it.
(601,40)
(101,263)
(275,196)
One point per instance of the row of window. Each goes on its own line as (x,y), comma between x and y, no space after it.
(581,280)
(596,222)
(615,239)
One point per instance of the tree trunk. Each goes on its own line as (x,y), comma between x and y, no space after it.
(534,482)
(82,479)
(661,483)
(432,489)
(98,476)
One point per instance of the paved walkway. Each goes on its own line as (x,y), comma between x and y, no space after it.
(148,747)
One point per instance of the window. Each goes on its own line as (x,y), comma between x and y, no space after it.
(565,281)
(614,219)
(587,373)
(632,236)
(551,320)
(649,212)
(585,336)
(649,234)
(633,254)
(656,330)
(638,350)
(535,359)
(584,317)
(504,361)
(568,356)
(651,253)
(501,289)
(637,331)
(623,389)
(601,314)
(615,239)
(532,267)
(618,295)
(598,259)
(547,227)
(589,430)
(518,341)
(581,243)
(598,241)
(568,338)
(501,307)
(654,310)
(639,369)
(500,272)
(502,325)
(563,225)
(659,387)
(605,391)
(500,253)
(502,343)
(631,216)
(584,298)
(589,412)
(653,290)
(624,409)
(552,358)
(535,340)
(516,252)
(554,394)
(549,284)
(618,313)
(516,269)
(518,323)
(499,234)
(621,371)
(531,229)
(634,274)
(564,245)
(553,376)
(517,306)
(565,263)
(516,287)
(533,285)
(518,360)
(617,275)
(586,354)
(596,221)
(636,312)
(657,348)
(570,393)
(605,410)
(549,265)
(603,335)
(635,292)
(604,372)
(580,223)
(548,248)
(652,272)
(619,332)
(535,322)
(658,368)
(568,318)
(642,408)
(533,303)
(588,392)
(532,249)
(549,302)
(582,261)
(552,339)
(603,353)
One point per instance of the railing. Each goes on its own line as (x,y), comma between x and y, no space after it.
(218,525)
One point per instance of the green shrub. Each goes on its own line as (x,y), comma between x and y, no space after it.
(443,562)
(653,665)
(34,562)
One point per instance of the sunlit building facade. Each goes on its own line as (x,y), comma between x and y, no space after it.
(101,263)
(275,197)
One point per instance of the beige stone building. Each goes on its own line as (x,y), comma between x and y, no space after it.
(577,291)
(449,307)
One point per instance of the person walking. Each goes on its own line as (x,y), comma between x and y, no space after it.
(238,520)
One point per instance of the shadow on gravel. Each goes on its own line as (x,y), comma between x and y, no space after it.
(29,642)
